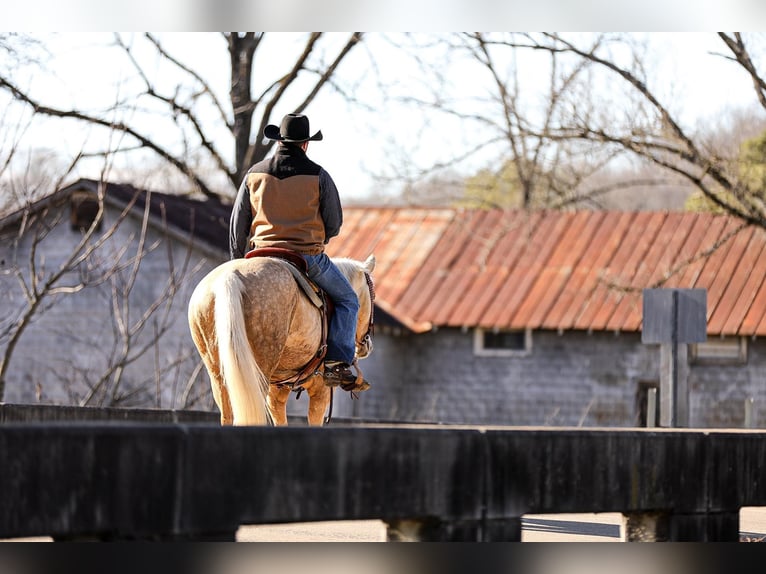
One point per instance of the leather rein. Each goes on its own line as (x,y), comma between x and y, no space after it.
(370,326)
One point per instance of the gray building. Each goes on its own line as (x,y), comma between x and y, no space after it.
(482,316)
(104,320)
(534,318)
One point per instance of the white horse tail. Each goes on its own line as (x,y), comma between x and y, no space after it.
(243,378)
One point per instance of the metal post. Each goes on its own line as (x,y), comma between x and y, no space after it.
(667,388)
(651,408)
(674,385)
(749,419)
(674,362)
(674,318)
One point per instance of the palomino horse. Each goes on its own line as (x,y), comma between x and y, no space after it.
(254,326)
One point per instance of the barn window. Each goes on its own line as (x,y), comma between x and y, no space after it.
(720,351)
(84,207)
(499,342)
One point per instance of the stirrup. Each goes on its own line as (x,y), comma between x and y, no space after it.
(339,374)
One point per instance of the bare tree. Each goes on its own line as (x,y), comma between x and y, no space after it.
(133,326)
(656,134)
(66,250)
(574,120)
(18,48)
(131,330)
(105,263)
(311,67)
(509,122)
(39,285)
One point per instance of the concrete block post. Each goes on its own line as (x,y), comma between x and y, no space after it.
(644,527)
(436,530)
(680,527)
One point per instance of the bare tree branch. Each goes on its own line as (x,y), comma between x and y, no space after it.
(177,108)
(742,56)
(194,146)
(112,125)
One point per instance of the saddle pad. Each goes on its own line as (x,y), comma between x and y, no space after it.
(297,266)
(281,253)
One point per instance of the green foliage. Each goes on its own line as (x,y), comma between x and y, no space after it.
(698,201)
(753,163)
(750,169)
(494,189)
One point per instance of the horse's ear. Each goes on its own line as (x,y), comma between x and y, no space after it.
(369,263)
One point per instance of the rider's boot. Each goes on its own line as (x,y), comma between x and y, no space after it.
(338,373)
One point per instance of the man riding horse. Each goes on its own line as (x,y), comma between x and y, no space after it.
(288,201)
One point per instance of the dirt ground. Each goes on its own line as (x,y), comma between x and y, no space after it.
(602,527)
(538,528)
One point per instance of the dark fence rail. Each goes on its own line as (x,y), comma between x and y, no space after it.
(12,413)
(124,478)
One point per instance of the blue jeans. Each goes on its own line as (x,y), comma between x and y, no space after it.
(341,335)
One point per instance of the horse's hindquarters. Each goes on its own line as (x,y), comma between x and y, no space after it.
(251,324)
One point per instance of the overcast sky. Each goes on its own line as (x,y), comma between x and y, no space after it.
(378,15)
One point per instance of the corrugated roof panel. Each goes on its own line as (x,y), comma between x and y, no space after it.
(665,243)
(417,247)
(618,277)
(584,279)
(710,228)
(554,270)
(694,227)
(606,247)
(528,242)
(432,276)
(755,260)
(677,228)
(389,240)
(541,241)
(755,318)
(509,235)
(352,219)
(760,301)
(655,267)
(474,258)
(456,271)
(573,291)
(711,267)
(393,241)
(554,275)
(731,280)
(463,275)
(658,233)
(361,232)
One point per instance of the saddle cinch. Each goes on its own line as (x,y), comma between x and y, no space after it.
(299,268)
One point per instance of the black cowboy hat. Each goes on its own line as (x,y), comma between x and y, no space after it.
(294,128)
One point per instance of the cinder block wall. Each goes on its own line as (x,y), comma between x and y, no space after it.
(573,379)
(74,336)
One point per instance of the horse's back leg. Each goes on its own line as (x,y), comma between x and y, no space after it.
(217,386)
(277,403)
(221,397)
(319,400)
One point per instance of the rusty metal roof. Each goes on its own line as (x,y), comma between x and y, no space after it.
(562,271)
